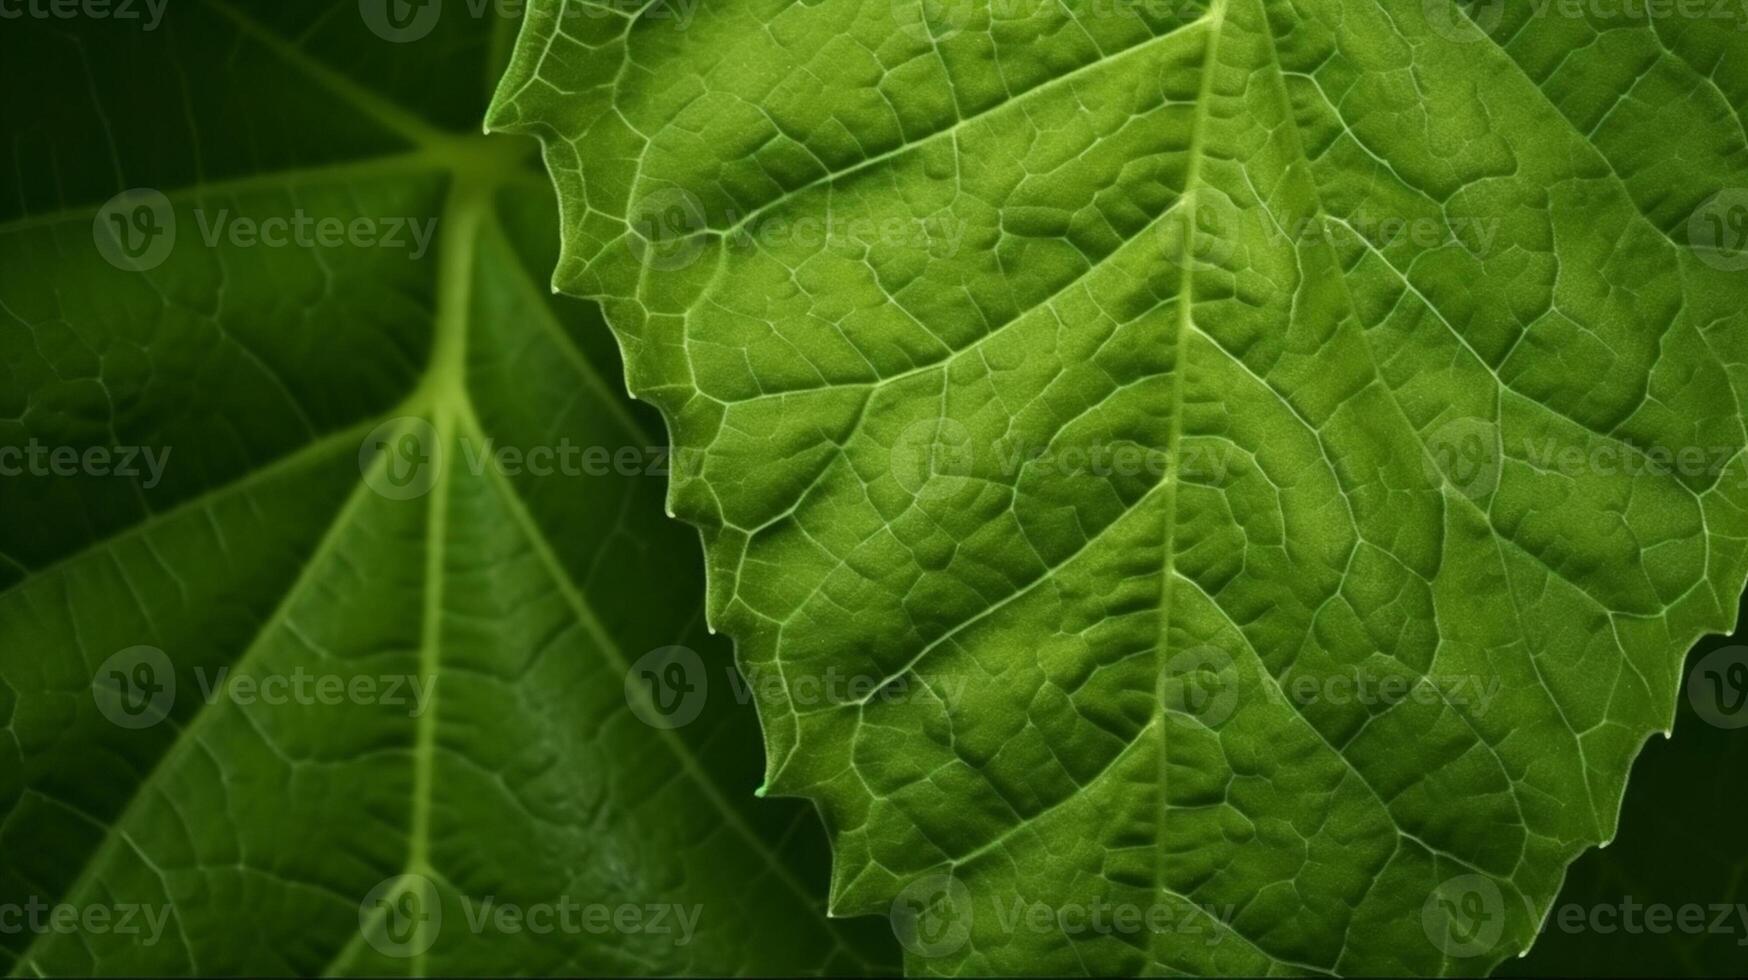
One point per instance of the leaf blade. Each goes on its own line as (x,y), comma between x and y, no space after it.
(1334,374)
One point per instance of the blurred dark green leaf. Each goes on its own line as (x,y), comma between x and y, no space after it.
(317,316)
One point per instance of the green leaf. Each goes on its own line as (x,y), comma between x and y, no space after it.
(1669,897)
(1110,387)
(328,689)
